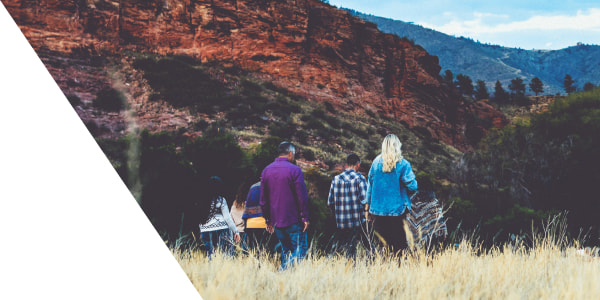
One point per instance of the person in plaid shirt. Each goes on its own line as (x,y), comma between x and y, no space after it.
(347,200)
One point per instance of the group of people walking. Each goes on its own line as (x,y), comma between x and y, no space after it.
(279,204)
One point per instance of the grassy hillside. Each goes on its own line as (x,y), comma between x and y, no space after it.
(252,108)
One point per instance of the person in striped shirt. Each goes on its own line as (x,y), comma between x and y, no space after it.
(347,200)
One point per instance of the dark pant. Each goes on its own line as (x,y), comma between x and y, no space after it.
(259,239)
(294,244)
(217,239)
(391,230)
(348,239)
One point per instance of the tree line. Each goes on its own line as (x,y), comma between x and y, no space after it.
(517,88)
(531,169)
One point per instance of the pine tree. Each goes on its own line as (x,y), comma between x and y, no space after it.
(518,91)
(464,84)
(481,91)
(536,86)
(448,76)
(500,94)
(568,84)
(588,86)
(517,87)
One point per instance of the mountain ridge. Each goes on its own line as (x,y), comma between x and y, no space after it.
(493,62)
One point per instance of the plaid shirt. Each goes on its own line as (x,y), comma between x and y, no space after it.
(347,198)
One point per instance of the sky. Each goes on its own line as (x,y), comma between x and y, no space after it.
(525,24)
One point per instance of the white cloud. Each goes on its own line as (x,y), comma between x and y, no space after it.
(490,15)
(584,20)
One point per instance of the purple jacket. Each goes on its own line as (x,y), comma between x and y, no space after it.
(283,195)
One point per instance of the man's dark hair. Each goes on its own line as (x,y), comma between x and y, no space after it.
(285,148)
(352,159)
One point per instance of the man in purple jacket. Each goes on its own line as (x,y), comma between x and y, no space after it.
(284,203)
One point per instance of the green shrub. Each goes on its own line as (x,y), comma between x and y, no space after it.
(200,125)
(302,137)
(426,181)
(356,128)
(109,100)
(182,83)
(74,100)
(266,152)
(308,154)
(284,130)
(314,124)
(549,163)
(371,113)
(173,169)
(329,107)
(517,219)
(318,184)
(92,127)
(350,145)
(250,88)
(422,131)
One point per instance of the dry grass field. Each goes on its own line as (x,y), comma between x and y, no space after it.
(545,267)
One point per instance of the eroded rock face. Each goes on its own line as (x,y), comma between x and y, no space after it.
(306,46)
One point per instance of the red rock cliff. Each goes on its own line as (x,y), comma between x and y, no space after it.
(307,46)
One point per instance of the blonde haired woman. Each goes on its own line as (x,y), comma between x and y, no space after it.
(390,179)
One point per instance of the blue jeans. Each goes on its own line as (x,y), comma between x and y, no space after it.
(220,239)
(294,244)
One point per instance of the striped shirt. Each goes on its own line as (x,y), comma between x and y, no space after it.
(347,198)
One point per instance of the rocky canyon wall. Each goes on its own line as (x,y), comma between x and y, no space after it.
(309,47)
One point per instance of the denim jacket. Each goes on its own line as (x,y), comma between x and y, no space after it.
(385,195)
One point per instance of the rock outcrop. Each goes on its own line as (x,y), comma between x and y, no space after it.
(309,47)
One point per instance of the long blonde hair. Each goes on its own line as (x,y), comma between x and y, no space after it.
(391,152)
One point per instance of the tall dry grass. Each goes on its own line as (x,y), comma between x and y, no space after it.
(544,266)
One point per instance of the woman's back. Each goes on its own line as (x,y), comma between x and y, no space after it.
(388,191)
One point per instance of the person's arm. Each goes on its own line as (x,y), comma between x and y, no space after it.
(229,220)
(236,216)
(331,198)
(301,197)
(264,199)
(359,188)
(265,204)
(409,178)
(370,184)
(248,199)
(362,190)
(369,191)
